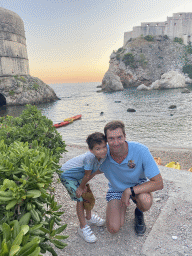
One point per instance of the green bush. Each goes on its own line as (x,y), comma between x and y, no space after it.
(189,48)
(35,86)
(188,69)
(11,93)
(120,50)
(142,60)
(30,126)
(149,38)
(27,164)
(165,37)
(178,40)
(128,59)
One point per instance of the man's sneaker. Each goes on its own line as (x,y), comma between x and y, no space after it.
(96,220)
(87,234)
(140,227)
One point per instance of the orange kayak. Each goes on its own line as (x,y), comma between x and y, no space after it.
(67,121)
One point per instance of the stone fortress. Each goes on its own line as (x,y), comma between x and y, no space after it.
(17,87)
(13,51)
(180,25)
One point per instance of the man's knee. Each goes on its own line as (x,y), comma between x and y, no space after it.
(145,201)
(112,227)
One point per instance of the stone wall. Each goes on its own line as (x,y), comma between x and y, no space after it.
(180,25)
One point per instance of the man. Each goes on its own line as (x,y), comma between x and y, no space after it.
(132,173)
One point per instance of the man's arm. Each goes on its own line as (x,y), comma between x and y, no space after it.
(155,183)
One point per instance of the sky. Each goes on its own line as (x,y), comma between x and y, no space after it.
(70,41)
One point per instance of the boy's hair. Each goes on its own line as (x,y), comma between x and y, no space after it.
(113,125)
(95,138)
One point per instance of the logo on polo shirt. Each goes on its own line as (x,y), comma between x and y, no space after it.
(131,164)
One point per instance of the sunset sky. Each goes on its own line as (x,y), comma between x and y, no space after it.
(70,41)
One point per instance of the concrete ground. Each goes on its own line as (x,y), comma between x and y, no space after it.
(169,221)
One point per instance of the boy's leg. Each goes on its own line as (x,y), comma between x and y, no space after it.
(115,215)
(81,214)
(88,214)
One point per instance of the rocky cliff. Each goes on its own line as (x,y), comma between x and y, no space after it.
(21,90)
(144,60)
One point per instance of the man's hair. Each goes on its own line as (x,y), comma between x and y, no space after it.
(95,138)
(113,125)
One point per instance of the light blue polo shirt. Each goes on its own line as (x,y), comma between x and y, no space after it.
(74,169)
(135,168)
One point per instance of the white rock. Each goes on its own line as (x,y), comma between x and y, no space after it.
(188,80)
(111,82)
(170,80)
(143,87)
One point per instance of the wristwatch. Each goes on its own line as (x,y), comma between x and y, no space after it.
(132,192)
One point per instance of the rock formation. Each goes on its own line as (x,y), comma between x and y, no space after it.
(144,60)
(17,87)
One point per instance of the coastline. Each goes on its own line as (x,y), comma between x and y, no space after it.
(181,155)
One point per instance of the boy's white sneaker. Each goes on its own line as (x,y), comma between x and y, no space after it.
(96,220)
(87,234)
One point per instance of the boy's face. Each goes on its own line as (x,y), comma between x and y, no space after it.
(100,150)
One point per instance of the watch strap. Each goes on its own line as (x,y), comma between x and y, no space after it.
(132,191)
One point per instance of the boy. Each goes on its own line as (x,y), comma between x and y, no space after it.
(76,173)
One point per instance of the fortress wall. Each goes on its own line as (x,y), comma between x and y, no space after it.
(13,51)
(180,25)
(13,66)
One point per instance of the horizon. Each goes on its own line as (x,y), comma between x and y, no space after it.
(71,41)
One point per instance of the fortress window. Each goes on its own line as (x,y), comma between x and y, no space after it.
(175,24)
(147,25)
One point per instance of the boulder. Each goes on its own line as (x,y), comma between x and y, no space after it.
(131,110)
(172,106)
(143,87)
(111,82)
(188,80)
(185,90)
(170,80)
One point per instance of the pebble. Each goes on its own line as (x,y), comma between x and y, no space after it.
(174,237)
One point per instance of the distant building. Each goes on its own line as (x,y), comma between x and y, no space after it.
(180,25)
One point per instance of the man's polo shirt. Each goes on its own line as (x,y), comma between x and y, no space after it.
(135,168)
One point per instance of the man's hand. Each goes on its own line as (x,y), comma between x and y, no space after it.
(126,197)
(80,191)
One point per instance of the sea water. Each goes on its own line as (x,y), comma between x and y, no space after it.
(153,124)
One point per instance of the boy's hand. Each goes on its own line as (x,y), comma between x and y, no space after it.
(80,191)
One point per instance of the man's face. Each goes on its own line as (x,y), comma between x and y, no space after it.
(116,140)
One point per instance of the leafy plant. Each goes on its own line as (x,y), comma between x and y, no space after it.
(142,60)
(30,126)
(11,93)
(128,59)
(188,69)
(35,86)
(189,48)
(118,56)
(165,37)
(120,50)
(27,163)
(22,78)
(149,38)
(178,40)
